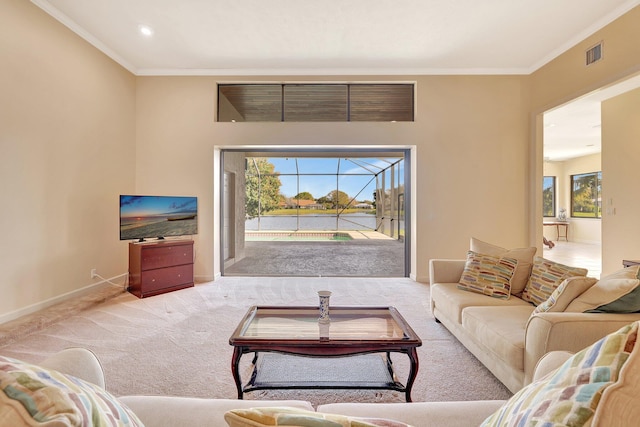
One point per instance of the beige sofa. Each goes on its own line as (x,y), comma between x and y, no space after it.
(609,397)
(157,411)
(503,334)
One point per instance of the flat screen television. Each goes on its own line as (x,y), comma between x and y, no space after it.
(145,217)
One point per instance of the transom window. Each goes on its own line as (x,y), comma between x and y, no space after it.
(586,190)
(324,102)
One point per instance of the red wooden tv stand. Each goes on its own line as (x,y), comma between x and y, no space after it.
(160,266)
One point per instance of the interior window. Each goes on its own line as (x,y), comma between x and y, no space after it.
(586,190)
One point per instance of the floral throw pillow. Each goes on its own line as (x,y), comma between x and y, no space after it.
(488,275)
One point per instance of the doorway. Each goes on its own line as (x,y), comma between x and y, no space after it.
(317,212)
(572,168)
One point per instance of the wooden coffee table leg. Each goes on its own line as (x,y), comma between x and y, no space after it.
(413,371)
(235,364)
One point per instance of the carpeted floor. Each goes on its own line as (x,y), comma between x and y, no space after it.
(178,343)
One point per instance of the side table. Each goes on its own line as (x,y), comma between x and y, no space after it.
(559,224)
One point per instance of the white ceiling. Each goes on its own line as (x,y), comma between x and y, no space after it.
(328,37)
(573,130)
(352,37)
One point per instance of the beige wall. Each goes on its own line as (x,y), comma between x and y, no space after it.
(471,144)
(620,178)
(567,78)
(80,130)
(67,124)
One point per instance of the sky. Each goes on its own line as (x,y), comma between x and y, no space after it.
(155,205)
(319,176)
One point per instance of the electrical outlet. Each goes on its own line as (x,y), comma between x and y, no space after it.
(94,274)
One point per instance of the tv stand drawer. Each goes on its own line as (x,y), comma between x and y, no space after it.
(159,267)
(166,256)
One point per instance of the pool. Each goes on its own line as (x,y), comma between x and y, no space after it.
(296,236)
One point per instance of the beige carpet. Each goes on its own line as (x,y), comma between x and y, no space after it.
(178,343)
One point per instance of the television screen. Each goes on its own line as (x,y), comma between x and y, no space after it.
(144,217)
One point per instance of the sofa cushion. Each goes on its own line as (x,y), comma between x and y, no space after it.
(500,330)
(170,410)
(488,275)
(423,414)
(546,276)
(580,389)
(618,292)
(279,416)
(568,290)
(32,395)
(450,300)
(523,255)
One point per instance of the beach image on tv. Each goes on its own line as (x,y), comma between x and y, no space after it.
(157,216)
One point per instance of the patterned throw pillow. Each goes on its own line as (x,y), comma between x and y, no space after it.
(546,276)
(31,395)
(259,417)
(618,292)
(523,255)
(488,275)
(568,290)
(571,395)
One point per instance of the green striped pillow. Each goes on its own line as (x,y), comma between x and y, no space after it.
(546,276)
(570,395)
(488,275)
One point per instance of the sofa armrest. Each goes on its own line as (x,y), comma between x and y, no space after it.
(546,332)
(423,414)
(445,270)
(170,411)
(549,363)
(78,362)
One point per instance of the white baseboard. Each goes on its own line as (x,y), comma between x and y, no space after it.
(55,300)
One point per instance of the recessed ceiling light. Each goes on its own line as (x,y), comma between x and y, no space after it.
(145,30)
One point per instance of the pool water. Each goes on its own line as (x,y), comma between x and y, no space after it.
(298,236)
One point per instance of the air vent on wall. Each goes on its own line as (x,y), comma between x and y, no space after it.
(594,54)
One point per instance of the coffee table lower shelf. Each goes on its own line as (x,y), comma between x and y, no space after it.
(285,371)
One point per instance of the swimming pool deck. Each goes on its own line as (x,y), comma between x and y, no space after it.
(368,254)
(353,234)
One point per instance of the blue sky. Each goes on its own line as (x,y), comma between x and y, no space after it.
(156,205)
(354,177)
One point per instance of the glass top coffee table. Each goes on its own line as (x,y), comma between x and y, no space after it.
(356,340)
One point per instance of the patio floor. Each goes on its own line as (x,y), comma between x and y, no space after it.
(362,257)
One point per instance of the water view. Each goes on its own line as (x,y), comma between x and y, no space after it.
(312,222)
